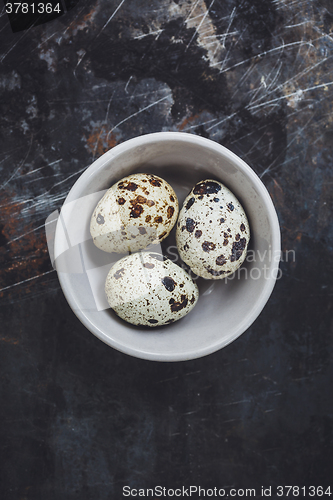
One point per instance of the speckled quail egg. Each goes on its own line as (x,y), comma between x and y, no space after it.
(148,289)
(212,231)
(137,210)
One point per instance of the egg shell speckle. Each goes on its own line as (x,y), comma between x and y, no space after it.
(136,211)
(212,231)
(148,289)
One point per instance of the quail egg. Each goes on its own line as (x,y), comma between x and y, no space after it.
(148,289)
(212,231)
(137,210)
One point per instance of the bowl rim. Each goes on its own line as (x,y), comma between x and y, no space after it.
(143,140)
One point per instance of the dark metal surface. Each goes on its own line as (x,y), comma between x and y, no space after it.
(80,420)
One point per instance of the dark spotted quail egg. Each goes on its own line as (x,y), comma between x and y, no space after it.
(148,289)
(212,231)
(136,211)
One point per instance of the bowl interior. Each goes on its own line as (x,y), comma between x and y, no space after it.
(227,307)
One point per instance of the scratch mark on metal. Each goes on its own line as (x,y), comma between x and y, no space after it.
(199,25)
(111,17)
(19,167)
(321,85)
(138,112)
(26,280)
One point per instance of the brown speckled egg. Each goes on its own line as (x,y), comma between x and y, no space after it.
(148,289)
(212,231)
(137,210)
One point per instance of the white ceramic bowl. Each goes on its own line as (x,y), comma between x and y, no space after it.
(227,307)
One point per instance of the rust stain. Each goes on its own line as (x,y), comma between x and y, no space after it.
(277,193)
(99,140)
(84,22)
(187,121)
(9,341)
(298,238)
(24,253)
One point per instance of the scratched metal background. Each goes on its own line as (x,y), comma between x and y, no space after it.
(79,420)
